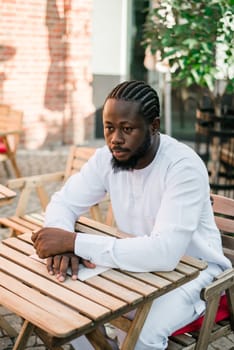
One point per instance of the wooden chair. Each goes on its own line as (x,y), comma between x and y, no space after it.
(210,330)
(10,129)
(24,221)
(4,109)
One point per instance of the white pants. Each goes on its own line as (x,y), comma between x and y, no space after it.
(174,310)
(169,313)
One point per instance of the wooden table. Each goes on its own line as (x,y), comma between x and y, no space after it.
(6,195)
(59,312)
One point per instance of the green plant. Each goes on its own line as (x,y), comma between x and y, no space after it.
(196,38)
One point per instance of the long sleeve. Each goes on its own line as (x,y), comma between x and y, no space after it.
(81,191)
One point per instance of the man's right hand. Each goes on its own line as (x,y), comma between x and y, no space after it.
(59,264)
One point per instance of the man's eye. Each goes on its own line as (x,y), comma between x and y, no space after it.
(127,129)
(109,128)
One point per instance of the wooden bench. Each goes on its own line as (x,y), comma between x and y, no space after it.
(23,221)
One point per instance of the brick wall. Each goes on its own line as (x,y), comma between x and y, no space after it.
(45,54)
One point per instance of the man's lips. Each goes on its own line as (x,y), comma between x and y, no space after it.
(118,152)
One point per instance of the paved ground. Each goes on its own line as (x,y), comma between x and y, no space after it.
(45,161)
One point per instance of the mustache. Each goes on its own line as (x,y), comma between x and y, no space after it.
(120,149)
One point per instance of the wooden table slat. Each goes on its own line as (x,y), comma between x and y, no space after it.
(7,192)
(19,245)
(85,224)
(35,315)
(27,224)
(172,276)
(114,289)
(26,237)
(82,289)
(42,301)
(52,288)
(185,269)
(14,225)
(127,281)
(38,216)
(34,220)
(199,264)
(153,279)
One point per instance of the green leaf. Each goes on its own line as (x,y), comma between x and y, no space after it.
(190,42)
(200,25)
(209,81)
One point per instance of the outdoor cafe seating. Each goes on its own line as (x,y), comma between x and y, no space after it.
(223,209)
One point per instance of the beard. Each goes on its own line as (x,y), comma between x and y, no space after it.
(131,163)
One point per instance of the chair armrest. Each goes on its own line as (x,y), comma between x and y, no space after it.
(35,180)
(10,132)
(222,282)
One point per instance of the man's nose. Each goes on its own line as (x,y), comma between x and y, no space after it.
(117,137)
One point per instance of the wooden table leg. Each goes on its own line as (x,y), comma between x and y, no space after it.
(97,340)
(136,326)
(23,336)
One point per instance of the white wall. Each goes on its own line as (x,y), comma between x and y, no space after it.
(111,26)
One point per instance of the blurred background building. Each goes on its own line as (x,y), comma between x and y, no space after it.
(60,58)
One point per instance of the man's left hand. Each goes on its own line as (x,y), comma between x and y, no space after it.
(51,241)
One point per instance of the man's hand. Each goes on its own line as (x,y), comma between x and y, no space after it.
(59,264)
(57,245)
(51,241)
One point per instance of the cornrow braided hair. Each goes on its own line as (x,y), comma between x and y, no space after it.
(141,92)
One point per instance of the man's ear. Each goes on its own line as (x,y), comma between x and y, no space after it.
(155,126)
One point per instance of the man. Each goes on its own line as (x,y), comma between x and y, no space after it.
(159,190)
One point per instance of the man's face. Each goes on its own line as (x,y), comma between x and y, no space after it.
(126,133)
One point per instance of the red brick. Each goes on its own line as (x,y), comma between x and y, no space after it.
(34,69)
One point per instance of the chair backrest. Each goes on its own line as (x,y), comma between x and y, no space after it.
(11,127)
(78,156)
(12,121)
(4,109)
(223,208)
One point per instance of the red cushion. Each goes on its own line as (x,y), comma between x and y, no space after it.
(2,147)
(222,314)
